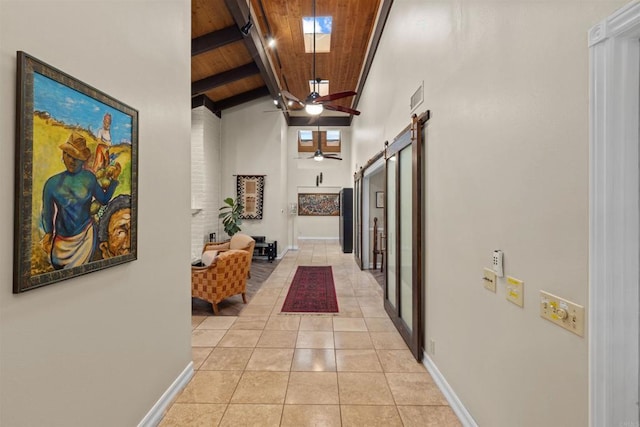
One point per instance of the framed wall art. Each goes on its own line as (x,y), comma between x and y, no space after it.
(76,178)
(250,192)
(319,204)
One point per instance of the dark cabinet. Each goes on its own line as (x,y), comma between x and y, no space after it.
(346,220)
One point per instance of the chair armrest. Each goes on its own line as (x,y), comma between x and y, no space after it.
(216,246)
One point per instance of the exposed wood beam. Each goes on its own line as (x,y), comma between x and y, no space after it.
(204,100)
(211,82)
(323,121)
(215,40)
(385,8)
(242,98)
(239,9)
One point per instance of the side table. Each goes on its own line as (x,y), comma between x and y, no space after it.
(266,250)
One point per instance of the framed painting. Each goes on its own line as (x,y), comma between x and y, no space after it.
(319,204)
(250,192)
(76,178)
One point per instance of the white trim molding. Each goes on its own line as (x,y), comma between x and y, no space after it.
(614,219)
(454,402)
(154,416)
(317,238)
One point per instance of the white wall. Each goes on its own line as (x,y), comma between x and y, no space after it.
(255,140)
(205,178)
(336,175)
(101,349)
(507,168)
(252,145)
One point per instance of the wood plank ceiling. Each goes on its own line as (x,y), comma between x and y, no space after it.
(229,68)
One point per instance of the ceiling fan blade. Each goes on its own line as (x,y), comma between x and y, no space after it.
(295,106)
(291,96)
(334,96)
(326,156)
(342,109)
(313,119)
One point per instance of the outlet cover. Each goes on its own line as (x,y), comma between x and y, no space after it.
(515,291)
(489,279)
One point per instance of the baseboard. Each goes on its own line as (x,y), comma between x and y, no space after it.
(456,404)
(156,413)
(284,252)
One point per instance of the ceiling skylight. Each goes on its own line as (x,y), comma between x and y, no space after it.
(322,88)
(323,33)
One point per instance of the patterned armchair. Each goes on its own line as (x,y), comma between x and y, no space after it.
(238,241)
(225,277)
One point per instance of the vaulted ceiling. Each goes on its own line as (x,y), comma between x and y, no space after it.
(229,68)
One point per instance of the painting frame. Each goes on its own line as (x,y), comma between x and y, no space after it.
(319,204)
(250,193)
(379,199)
(45,140)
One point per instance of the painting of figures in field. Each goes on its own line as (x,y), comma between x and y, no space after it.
(82,177)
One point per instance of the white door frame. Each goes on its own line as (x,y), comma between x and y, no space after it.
(614,219)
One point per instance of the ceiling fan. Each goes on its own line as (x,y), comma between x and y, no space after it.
(314,104)
(319,155)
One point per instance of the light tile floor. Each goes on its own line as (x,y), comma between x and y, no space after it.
(263,368)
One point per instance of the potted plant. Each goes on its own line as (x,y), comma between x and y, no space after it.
(230,214)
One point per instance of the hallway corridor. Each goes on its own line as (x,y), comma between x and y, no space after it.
(263,368)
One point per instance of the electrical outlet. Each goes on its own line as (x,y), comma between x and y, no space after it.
(562,312)
(515,291)
(489,279)
(432,347)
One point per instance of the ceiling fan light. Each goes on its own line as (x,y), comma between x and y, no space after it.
(314,109)
(318,157)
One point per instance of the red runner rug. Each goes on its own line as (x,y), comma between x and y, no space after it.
(312,291)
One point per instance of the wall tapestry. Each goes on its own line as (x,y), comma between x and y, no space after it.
(250,190)
(76,178)
(319,204)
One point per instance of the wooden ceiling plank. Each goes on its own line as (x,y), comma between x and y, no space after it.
(208,16)
(216,61)
(211,82)
(235,88)
(215,40)
(240,11)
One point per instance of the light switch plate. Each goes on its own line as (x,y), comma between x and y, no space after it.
(515,291)
(562,312)
(489,279)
